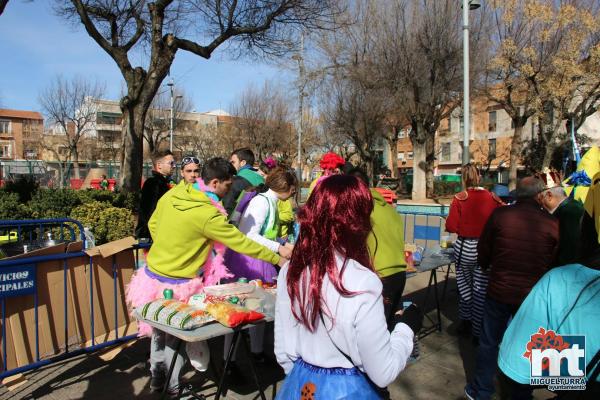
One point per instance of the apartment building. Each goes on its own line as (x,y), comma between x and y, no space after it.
(20,133)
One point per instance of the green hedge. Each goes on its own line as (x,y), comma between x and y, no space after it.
(110,216)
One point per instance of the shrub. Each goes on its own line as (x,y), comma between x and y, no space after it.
(11,207)
(116,223)
(89,195)
(446,188)
(107,223)
(53,203)
(25,186)
(89,214)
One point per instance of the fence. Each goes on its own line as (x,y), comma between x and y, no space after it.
(60,301)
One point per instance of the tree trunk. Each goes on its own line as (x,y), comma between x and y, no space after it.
(515,152)
(75,158)
(61,175)
(419,171)
(132,147)
(548,152)
(430,161)
(393,150)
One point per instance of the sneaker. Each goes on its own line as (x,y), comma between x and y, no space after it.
(157,383)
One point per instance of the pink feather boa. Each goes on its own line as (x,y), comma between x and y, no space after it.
(143,289)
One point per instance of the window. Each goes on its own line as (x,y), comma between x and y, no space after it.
(450,123)
(446,154)
(5,150)
(410,155)
(401,155)
(4,126)
(492,121)
(491,149)
(401,134)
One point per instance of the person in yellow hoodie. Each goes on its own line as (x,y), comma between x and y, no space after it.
(188,224)
(386,245)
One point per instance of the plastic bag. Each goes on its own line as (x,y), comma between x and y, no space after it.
(199,355)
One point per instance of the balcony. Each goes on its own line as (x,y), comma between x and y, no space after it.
(109,127)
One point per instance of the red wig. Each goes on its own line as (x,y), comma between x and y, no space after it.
(335,220)
(331,161)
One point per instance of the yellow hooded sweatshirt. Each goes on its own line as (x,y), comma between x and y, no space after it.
(184,226)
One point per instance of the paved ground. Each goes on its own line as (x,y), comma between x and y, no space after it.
(438,374)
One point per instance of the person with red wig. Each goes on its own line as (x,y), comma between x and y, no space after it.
(331,164)
(331,335)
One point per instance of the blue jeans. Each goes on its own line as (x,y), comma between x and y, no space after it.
(496,316)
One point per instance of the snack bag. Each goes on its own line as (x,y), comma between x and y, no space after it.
(175,314)
(232,315)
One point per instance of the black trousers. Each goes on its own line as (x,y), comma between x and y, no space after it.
(393,286)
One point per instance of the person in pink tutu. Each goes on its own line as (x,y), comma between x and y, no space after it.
(260,222)
(188,224)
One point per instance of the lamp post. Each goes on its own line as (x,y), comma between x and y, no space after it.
(467,5)
(301,83)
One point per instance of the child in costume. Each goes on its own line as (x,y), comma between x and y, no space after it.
(331,336)
(260,223)
(285,208)
(186,226)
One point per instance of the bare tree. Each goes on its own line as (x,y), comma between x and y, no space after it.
(120,27)
(67,104)
(262,118)
(419,62)
(354,101)
(3,4)
(158,119)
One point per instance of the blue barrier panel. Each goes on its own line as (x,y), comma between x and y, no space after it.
(15,274)
(423,229)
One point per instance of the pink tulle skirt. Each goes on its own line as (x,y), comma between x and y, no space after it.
(143,289)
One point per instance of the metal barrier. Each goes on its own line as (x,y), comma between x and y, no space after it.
(19,282)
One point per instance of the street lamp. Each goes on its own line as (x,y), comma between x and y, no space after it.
(171,118)
(301,83)
(467,5)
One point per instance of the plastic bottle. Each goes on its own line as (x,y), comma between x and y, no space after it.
(50,241)
(90,241)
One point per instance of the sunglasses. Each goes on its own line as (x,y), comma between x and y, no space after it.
(190,160)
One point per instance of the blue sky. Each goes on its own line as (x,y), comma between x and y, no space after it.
(36,45)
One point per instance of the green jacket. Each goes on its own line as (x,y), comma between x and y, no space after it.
(251,176)
(386,241)
(184,226)
(569,214)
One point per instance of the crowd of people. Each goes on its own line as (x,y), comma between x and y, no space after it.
(341,328)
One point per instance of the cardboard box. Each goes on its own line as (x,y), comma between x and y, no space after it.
(110,321)
(84,289)
(20,314)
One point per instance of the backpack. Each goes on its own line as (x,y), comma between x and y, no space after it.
(240,206)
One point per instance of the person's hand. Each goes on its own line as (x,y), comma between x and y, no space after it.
(282,262)
(411,316)
(286,250)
